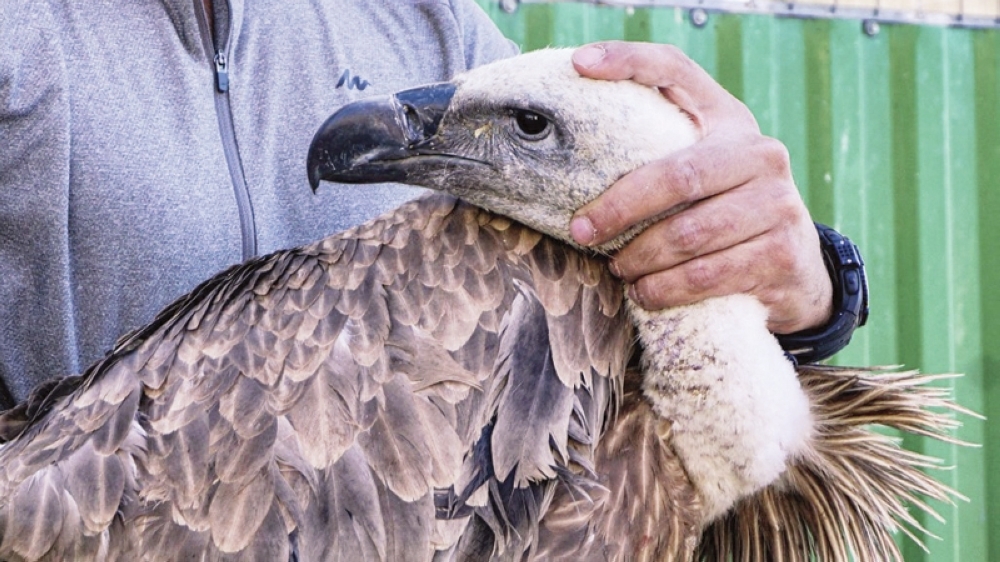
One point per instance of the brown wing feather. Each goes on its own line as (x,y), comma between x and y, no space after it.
(316,398)
(642,507)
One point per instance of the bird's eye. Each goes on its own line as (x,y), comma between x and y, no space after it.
(532,125)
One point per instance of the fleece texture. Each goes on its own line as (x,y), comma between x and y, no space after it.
(116,192)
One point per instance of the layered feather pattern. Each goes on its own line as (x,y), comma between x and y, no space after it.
(312,401)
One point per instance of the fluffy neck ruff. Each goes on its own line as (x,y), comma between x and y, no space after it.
(738,411)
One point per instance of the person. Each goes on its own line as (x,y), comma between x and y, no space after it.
(149,145)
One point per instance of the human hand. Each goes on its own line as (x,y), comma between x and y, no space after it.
(745,228)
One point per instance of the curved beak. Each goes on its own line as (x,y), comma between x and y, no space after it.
(369,141)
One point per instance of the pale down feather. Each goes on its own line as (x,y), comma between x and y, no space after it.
(444,383)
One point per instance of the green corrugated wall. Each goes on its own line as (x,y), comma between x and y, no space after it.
(894,141)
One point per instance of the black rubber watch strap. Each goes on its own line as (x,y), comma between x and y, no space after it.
(850,302)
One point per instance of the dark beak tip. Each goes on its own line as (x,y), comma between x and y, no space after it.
(318,164)
(315,176)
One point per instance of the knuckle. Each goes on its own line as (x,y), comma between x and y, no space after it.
(672,51)
(784,202)
(776,156)
(702,275)
(681,66)
(685,64)
(746,117)
(788,206)
(689,235)
(686,179)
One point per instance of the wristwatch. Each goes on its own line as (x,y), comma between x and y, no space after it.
(850,302)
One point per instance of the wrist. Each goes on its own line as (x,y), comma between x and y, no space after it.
(850,302)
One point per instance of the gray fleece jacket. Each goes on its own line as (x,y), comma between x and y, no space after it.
(127,175)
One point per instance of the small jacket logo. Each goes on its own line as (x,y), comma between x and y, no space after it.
(352,82)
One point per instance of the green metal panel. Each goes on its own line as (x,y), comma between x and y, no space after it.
(895,141)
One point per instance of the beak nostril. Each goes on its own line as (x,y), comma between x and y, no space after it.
(414,126)
(421,110)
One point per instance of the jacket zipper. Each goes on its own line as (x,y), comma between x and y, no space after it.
(227,130)
(221,72)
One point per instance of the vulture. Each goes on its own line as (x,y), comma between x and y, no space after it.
(455,380)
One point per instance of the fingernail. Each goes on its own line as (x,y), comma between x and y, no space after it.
(615,270)
(582,230)
(588,56)
(634,295)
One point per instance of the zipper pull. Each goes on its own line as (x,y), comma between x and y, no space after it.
(221,74)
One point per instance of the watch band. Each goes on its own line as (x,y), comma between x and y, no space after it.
(850,302)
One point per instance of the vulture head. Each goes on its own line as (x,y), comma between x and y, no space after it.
(526,137)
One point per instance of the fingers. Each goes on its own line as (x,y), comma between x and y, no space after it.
(703,170)
(778,261)
(710,275)
(708,227)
